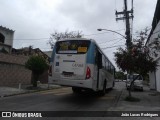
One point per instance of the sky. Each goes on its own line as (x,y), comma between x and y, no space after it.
(35,20)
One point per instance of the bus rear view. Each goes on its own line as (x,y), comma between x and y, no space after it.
(81,64)
(68,64)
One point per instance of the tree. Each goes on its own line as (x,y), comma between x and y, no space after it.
(119,75)
(136,59)
(62,35)
(37,65)
(3,50)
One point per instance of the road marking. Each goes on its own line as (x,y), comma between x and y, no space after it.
(108,97)
(57,91)
(62,94)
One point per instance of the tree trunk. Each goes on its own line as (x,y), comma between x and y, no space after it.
(131,86)
(34,79)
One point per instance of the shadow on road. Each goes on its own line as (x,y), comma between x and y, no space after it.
(84,98)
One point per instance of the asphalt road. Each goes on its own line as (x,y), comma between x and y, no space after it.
(63,99)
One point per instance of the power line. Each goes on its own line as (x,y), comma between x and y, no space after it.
(45,38)
(103,32)
(116,42)
(113,46)
(31,39)
(110,40)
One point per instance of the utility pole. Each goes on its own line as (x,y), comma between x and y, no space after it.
(126,16)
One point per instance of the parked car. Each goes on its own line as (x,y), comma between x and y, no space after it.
(116,80)
(138,83)
(124,80)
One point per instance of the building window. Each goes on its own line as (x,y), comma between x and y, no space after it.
(2,38)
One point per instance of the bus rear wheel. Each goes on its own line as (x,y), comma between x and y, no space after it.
(103,92)
(76,90)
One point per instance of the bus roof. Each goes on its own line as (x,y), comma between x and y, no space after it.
(75,39)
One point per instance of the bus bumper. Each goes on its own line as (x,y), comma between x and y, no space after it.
(72,83)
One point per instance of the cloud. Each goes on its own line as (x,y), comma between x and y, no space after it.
(39,18)
(89,14)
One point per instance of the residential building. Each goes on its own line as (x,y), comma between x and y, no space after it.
(28,51)
(6,39)
(153,43)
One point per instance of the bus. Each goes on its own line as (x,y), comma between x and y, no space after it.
(81,64)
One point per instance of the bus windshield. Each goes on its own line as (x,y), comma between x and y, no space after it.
(72,47)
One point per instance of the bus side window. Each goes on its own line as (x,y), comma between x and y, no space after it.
(98,58)
(103,61)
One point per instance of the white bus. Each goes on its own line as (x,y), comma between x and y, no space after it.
(81,64)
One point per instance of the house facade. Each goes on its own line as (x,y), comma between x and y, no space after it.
(6,39)
(153,43)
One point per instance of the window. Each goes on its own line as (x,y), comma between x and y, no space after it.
(103,61)
(2,38)
(72,46)
(107,65)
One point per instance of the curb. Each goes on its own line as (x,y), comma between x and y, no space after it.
(28,92)
(118,98)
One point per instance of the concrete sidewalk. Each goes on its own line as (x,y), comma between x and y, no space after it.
(22,89)
(149,101)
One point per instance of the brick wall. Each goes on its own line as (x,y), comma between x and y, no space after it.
(15,59)
(13,71)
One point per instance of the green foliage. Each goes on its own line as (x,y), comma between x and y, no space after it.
(136,59)
(119,75)
(36,64)
(139,63)
(3,50)
(62,35)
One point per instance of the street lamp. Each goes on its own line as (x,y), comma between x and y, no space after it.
(112,31)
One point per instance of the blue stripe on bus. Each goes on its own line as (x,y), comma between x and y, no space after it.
(90,54)
(53,54)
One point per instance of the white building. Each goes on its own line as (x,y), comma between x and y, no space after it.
(155,53)
(6,39)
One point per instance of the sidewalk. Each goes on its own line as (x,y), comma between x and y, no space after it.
(149,101)
(22,89)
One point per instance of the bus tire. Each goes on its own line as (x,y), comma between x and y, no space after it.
(76,90)
(113,84)
(103,92)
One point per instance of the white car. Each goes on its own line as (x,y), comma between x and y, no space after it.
(138,83)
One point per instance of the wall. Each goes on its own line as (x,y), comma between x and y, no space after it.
(13,71)
(158,77)
(155,78)
(152,78)
(8,34)
(13,74)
